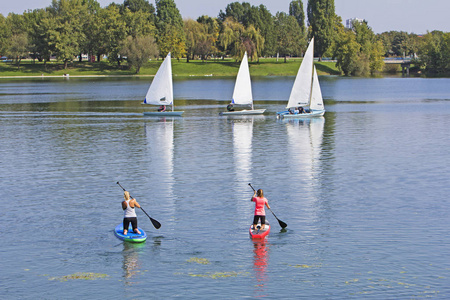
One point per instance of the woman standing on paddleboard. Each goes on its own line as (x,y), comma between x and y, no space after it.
(260,214)
(129,214)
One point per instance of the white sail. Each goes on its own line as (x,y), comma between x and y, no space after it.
(161,89)
(316,97)
(301,90)
(242,93)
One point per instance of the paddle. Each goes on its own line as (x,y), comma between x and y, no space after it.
(282,224)
(155,223)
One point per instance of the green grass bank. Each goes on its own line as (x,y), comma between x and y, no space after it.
(223,68)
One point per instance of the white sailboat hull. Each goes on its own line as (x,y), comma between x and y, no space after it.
(287,115)
(243,112)
(163,113)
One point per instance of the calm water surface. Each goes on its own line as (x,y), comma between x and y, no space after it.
(364,191)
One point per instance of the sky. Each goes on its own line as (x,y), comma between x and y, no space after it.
(413,16)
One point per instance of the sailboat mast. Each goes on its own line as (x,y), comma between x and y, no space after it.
(312,75)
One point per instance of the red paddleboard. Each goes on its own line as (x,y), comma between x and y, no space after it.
(258,233)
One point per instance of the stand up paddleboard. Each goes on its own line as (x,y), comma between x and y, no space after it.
(258,233)
(131,236)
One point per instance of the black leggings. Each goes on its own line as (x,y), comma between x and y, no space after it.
(127,221)
(258,217)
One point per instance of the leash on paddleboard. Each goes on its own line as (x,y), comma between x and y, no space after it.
(282,224)
(155,223)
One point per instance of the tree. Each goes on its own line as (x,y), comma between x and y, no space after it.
(139,5)
(259,17)
(296,10)
(434,52)
(399,43)
(138,50)
(195,34)
(253,42)
(88,43)
(209,46)
(172,40)
(371,49)
(169,25)
(42,47)
(263,21)
(67,34)
(346,52)
(4,33)
(289,38)
(17,24)
(18,47)
(230,37)
(238,39)
(110,33)
(236,10)
(321,14)
(357,50)
(139,23)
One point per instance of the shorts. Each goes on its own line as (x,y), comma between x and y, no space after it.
(258,217)
(127,221)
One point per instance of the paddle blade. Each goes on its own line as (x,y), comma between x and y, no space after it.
(282,224)
(156,224)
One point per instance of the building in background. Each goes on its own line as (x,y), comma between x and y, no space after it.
(349,22)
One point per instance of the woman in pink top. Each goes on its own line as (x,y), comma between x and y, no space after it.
(260,214)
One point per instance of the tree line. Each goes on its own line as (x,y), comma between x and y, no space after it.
(136,30)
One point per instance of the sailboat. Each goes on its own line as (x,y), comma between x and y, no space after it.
(305,94)
(242,94)
(161,91)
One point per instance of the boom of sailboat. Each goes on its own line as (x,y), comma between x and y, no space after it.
(305,100)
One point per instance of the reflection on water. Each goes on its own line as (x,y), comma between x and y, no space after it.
(134,255)
(260,264)
(305,141)
(159,133)
(131,264)
(305,144)
(242,142)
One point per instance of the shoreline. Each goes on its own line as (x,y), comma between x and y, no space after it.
(196,69)
(223,68)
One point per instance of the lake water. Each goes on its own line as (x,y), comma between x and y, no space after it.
(364,191)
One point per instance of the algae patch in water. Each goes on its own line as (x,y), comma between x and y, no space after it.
(218,275)
(198,260)
(80,276)
(303,266)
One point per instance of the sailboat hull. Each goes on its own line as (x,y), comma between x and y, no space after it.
(243,112)
(163,113)
(287,115)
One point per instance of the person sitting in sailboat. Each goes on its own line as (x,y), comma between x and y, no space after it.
(162,108)
(230,107)
(301,110)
